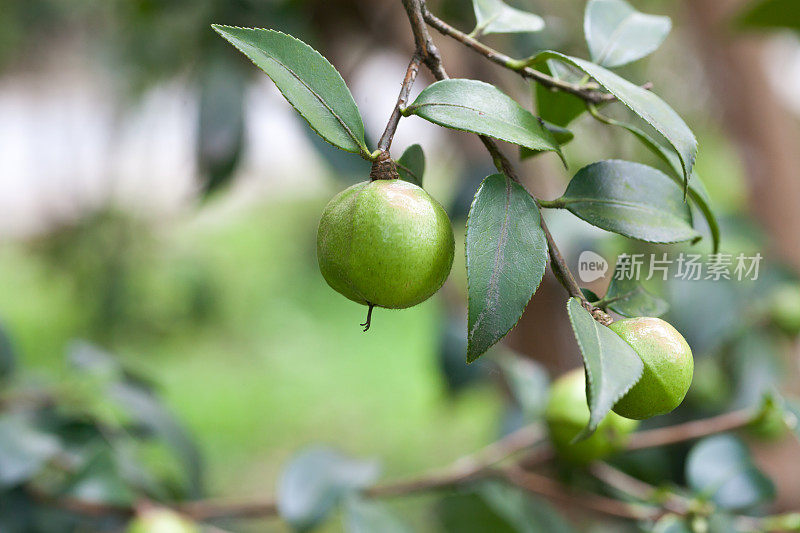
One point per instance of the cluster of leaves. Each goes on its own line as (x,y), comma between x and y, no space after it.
(97,437)
(506,246)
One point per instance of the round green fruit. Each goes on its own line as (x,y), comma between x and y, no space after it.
(567,413)
(385,243)
(668,367)
(785,309)
(160,520)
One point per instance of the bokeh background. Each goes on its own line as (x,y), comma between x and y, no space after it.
(159,200)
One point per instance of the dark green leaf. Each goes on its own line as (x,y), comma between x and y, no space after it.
(528,382)
(561,135)
(220,133)
(506,258)
(630,299)
(100,481)
(362,516)
(466,511)
(612,367)
(558,107)
(526,514)
(631,199)
(8,360)
(495,16)
(411,165)
(697,191)
(617,34)
(645,104)
(771,14)
(721,468)
(316,480)
(24,450)
(478,107)
(305,78)
(452,347)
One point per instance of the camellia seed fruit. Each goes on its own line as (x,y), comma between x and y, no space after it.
(158,520)
(567,413)
(668,367)
(385,243)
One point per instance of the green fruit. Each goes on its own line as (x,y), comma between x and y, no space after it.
(385,243)
(785,309)
(160,520)
(668,367)
(567,413)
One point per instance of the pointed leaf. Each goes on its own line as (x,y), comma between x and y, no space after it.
(562,136)
(411,165)
(612,367)
(316,480)
(721,468)
(506,257)
(645,104)
(617,34)
(305,78)
(478,107)
(630,199)
(558,107)
(495,16)
(697,191)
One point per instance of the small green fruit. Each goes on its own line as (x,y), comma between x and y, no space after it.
(567,413)
(668,367)
(159,520)
(785,309)
(385,243)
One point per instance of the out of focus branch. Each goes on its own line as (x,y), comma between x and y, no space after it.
(690,430)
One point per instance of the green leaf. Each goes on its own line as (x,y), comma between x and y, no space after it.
(558,107)
(771,14)
(528,382)
(561,135)
(305,78)
(316,480)
(697,191)
(612,366)
(8,360)
(524,513)
(495,16)
(101,481)
(617,34)
(411,165)
(631,199)
(721,468)
(362,516)
(506,257)
(24,449)
(630,299)
(478,107)
(645,104)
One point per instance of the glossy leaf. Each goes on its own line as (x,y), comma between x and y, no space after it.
(721,468)
(24,450)
(629,298)
(631,199)
(305,78)
(771,14)
(697,191)
(506,257)
(316,480)
(558,107)
(411,165)
(644,103)
(478,107)
(495,16)
(363,516)
(617,34)
(612,367)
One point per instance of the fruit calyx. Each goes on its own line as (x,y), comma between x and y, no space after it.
(383,168)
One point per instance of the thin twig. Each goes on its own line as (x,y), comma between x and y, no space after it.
(638,489)
(690,430)
(391,127)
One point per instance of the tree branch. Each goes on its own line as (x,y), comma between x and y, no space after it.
(391,127)
(690,430)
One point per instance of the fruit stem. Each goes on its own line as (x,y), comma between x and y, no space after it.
(368,322)
(383,168)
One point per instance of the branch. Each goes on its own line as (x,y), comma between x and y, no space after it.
(391,127)
(690,430)
(638,489)
(587,93)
